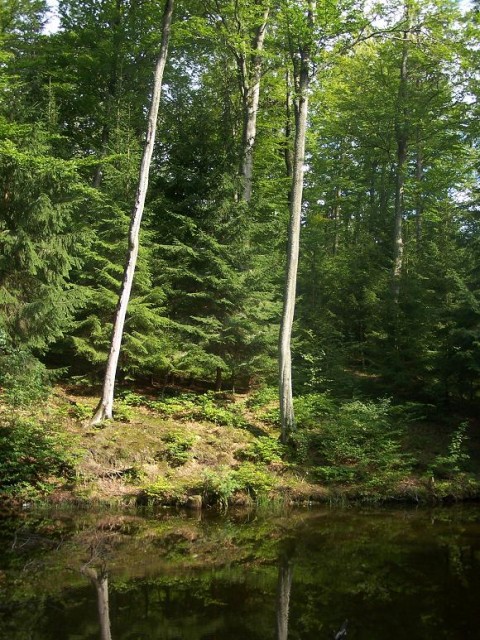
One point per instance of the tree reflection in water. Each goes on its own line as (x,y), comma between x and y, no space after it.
(99,579)
(402,573)
(284,587)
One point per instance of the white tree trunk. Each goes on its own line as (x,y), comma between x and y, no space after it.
(100,582)
(284,586)
(251,95)
(302,80)
(104,409)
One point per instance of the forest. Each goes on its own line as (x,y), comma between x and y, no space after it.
(311,224)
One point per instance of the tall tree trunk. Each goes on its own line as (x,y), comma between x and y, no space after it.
(401,133)
(302,80)
(104,409)
(419,196)
(251,94)
(284,587)
(336,212)
(218,379)
(288,150)
(100,582)
(112,90)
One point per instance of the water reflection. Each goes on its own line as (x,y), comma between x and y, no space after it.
(99,579)
(396,574)
(284,586)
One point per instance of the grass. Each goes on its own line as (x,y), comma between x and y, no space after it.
(211,450)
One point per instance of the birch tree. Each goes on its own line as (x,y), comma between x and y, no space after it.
(104,409)
(301,52)
(250,86)
(243,29)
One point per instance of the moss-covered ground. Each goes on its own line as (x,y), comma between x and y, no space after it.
(216,450)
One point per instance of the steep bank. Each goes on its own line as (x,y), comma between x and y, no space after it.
(217,450)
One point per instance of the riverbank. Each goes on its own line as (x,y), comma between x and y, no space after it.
(218,450)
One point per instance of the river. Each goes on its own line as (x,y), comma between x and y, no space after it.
(356,573)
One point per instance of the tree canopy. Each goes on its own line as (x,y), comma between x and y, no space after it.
(387,298)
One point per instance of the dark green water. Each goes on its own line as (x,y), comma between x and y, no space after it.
(393,574)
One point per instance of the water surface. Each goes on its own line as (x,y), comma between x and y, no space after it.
(375,573)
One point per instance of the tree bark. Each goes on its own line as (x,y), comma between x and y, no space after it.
(419,197)
(100,582)
(284,587)
(401,132)
(104,409)
(218,379)
(287,153)
(251,94)
(302,80)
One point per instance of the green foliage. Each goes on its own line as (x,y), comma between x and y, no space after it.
(122,411)
(41,239)
(262,397)
(253,479)
(359,443)
(221,485)
(178,448)
(264,405)
(218,411)
(457,458)
(181,406)
(35,458)
(23,379)
(208,286)
(266,450)
(312,407)
(132,399)
(163,491)
(209,406)
(81,411)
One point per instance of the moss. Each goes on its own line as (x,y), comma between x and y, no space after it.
(366,451)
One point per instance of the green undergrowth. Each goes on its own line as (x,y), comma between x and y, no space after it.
(218,450)
(212,407)
(35,457)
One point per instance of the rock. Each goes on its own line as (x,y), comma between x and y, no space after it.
(194,502)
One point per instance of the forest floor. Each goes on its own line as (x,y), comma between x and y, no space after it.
(205,450)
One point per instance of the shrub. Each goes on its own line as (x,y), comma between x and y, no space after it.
(164,491)
(81,411)
(23,379)
(252,480)
(311,408)
(262,397)
(357,444)
(219,486)
(132,399)
(181,406)
(122,411)
(216,411)
(457,457)
(34,458)
(265,449)
(264,404)
(178,447)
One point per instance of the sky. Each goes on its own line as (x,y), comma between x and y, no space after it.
(53,21)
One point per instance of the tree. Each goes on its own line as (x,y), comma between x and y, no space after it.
(301,55)
(105,406)
(40,196)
